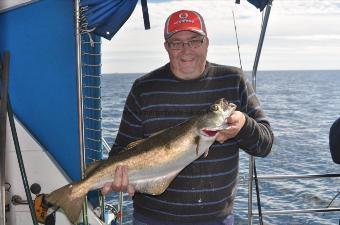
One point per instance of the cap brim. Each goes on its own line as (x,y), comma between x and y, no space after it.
(192,30)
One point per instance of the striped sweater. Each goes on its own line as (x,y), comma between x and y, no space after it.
(205,189)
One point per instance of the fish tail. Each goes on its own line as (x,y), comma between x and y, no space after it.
(70,198)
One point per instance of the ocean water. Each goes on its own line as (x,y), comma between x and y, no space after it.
(301,106)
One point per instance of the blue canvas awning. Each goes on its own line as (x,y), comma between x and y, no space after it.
(106,17)
(260,4)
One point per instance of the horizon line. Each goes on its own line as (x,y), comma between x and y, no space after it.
(288,70)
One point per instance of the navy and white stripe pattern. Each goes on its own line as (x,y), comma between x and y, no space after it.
(205,189)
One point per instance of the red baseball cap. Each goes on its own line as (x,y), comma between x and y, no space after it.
(184,20)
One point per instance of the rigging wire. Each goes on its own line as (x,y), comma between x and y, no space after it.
(238,46)
(258,198)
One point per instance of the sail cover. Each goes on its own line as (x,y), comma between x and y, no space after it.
(106,17)
(260,4)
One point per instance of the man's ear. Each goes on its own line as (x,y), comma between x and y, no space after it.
(166,46)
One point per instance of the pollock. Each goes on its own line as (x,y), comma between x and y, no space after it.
(152,162)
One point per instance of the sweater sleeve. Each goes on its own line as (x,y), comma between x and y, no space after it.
(130,128)
(256,136)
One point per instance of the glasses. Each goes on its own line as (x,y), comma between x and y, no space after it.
(193,43)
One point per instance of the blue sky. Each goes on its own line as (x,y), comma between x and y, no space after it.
(301,35)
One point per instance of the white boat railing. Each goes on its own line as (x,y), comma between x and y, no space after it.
(107,149)
(293,211)
(106,146)
(252,168)
(252,176)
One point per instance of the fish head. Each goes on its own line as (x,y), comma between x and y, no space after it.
(215,119)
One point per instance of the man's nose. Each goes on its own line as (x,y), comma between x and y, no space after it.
(186,46)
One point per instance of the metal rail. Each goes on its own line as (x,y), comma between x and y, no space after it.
(251,177)
(299,176)
(260,44)
(3,122)
(282,212)
(251,158)
(121,195)
(90,67)
(80,100)
(106,145)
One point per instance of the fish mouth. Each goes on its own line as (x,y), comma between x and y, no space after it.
(209,133)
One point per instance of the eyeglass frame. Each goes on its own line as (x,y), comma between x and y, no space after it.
(189,43)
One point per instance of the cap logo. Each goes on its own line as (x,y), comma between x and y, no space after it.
(183,15)
(183,18)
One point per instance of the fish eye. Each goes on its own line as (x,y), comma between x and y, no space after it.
(214,107)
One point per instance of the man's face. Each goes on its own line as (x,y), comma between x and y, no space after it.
(187,62)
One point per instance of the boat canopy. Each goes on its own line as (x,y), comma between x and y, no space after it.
(260,4)
(106,17)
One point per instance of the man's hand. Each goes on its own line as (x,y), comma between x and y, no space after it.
(235,123)
(120,183)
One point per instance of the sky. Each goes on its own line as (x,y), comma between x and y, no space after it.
(301,35)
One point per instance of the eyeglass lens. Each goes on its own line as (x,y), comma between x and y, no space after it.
(193,43)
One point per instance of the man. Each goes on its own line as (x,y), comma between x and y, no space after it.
(202,193)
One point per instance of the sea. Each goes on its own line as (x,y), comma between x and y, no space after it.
(301,107)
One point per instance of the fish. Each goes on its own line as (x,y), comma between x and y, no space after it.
(152,162)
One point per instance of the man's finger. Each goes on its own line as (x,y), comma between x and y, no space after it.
(106,188)
(117,183)
(130,190)
(125,179)
(221,137)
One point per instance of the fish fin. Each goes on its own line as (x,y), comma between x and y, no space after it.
(156,186)
(134,144)
(92,167)
(158,132)
(70,198)
(161,186)
(197,142)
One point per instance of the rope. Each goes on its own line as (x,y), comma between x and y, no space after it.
(145,14)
